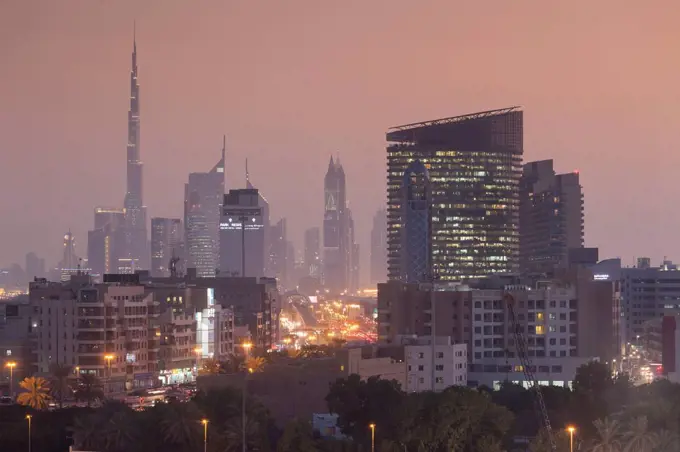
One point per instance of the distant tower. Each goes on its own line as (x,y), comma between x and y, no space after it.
(336,231)
(70,262)
(416,218)
(379,247)
(136,250)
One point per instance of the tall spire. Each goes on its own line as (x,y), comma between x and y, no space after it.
(247,174)
(224,149)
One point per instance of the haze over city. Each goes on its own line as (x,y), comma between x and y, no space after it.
(291,83)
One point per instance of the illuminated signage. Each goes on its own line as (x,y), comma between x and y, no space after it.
(211,296)
(601,277)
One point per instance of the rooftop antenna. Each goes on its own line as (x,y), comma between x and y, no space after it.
(224,147)
(247,174)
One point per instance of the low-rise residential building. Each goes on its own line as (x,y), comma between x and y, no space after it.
(450,363)
(177,358)
(215,332)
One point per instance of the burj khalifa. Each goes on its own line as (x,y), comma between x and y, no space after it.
(136,252)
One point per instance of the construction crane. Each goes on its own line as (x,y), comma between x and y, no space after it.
(527,368)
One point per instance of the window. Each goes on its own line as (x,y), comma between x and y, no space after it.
(421,368)
(439,380)
(540,329)
(439,367)
(440,355)
(421,355)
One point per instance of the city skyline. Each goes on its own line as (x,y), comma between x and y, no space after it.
(576,119)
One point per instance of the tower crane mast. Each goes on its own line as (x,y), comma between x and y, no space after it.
(527,368)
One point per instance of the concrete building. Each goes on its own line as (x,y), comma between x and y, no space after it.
(450,363)
(202,208)
(255,302)
(474,167)
(242,234)
(17,322)
(177,359)
(106,242)
(370,361)
(550,217)
(105,329)
(166,244)
(574,317)
(215,332)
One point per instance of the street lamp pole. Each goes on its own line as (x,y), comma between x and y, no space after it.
(205,434)
(108,359)
(11,366)
(246,349)
(28,417)
(571,429)
(372,426)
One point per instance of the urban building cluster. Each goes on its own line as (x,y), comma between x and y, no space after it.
(473,247)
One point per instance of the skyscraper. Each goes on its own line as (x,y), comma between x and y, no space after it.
(474,166)
(353,258)
(336,243)
(242,234)
(313,252)
(166,243)
(550,217)
(379,248)
(278,249)
(136,250)
(416,224)
(202,203)
(106,242)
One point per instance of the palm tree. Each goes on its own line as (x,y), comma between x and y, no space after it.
(89,389)
(87,431)
(36,393)
(638,437)
(666,441)
(609,436)
(210,366)
(255,364)
(180,426)
(59,383)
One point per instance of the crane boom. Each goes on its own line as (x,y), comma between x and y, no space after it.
(527,368)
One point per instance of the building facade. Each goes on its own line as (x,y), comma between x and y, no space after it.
(474,166)
(202,209)
(449,360)
(336,230)
(135,248)
(242,234)
(550,217)
(106,242)
(378,256)
(312,257)
(166,244)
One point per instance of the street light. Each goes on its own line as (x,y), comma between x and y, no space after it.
(372,427)
(198,351)
(11,365)
(571,429)
(28,417)
(108,359)
(205,434)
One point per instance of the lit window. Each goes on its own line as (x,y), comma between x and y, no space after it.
(539,316)
(540,329)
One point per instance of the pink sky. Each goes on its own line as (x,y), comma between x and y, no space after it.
(291,82)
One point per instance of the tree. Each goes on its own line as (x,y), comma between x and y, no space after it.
(608,436)
(255,364)
(666,441)
(89,389)
(179,425)
(60,385)
(638,437)
(210,366)
(36,393)
(297,437)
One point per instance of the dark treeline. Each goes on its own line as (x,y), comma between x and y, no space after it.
(609,414)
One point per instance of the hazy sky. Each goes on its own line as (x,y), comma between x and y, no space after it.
(291,82)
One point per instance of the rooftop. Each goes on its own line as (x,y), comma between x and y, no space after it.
(462,118)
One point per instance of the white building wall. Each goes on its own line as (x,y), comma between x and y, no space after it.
(450,363)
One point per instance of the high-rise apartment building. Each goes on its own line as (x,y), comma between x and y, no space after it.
(166,244)
(474,166)
(202,204)
(336,230)
(312,256)
(136,248)
(379,247)
(242,234)
(550,217)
